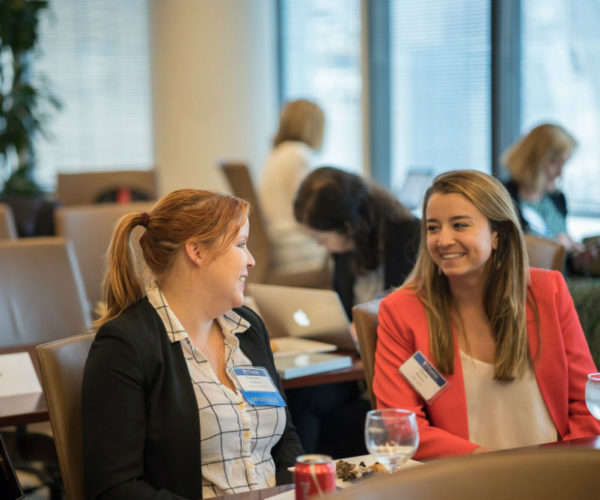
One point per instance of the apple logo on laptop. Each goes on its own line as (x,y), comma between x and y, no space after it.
(301,318)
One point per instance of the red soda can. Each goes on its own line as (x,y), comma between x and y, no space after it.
(314,475)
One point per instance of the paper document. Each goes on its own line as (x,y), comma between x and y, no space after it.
(17,375)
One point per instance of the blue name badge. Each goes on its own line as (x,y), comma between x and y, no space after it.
(257,386)
(423,377)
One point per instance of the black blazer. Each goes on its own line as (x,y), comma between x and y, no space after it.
(141,432)
(400,241)
(557,197)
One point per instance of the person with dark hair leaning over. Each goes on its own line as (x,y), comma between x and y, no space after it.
(373,238)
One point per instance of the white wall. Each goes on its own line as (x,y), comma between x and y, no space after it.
(214,91)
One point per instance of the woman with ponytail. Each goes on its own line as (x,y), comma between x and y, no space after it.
(487,352)
(167,411)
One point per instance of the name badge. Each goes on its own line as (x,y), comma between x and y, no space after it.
(257,386)
(423,377)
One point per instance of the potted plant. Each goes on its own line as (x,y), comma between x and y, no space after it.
(25,106)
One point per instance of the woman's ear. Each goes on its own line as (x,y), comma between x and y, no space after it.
(495,240)
(195,252)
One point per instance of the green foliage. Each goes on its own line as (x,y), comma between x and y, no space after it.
(25,106)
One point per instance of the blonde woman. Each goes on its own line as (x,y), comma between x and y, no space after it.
(489,353)
(535,162)
(300,133)
(167,412)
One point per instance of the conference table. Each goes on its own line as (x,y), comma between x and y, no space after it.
(24,408)
(592,443)
(32,408)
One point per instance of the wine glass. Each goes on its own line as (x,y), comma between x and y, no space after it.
(592,394)
(392,436)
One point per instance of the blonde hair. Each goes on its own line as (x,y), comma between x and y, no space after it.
(528,159)
(213,219)
(506,288)
(303,121)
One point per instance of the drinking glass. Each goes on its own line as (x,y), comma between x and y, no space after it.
(392,436)
(592,394)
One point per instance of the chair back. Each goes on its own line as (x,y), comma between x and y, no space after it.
(545,253)
(259,242)
(61,365)
(366,322)
(90,228)
(8,230)
(41,292)
(559,473)
(238,176)
(86,187)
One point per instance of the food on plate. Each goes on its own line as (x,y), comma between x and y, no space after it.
(347,471)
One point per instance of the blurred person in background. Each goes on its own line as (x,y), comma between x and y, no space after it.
(535,163)
(372,237)
(300,133)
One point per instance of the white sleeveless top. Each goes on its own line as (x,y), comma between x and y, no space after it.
(504,414)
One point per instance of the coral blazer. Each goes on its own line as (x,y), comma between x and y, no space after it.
(561,364)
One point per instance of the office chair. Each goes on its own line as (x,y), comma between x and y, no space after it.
(41,299)
(260,244)
(90,228)
(92,187)
(41,291)
(62,363)
(545,253)
(366,322)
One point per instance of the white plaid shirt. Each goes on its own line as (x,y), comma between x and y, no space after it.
(235,437)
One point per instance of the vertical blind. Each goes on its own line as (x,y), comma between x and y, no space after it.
(96,57)
(440,57)
(561,84)
(321,61)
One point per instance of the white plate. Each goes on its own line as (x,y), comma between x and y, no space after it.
(289,346)
(368,460)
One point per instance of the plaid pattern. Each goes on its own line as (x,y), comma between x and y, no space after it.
(236,437)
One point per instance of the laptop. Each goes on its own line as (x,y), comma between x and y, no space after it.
(418,179)
(310,313)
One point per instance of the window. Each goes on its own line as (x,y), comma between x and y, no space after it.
(561,83)
(321,59)
(440,86)
(454,82)
(98,65)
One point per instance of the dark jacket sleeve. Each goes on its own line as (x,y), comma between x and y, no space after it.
(513,189)
(560,201)
(115,421)
(343,279)
(139,414)
(401,246)
(256,345)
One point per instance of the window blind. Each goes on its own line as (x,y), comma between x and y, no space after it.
(321,61)
(96,57)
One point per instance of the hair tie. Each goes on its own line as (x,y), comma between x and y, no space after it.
(144,219)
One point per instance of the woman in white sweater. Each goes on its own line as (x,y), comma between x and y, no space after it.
(300,132)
